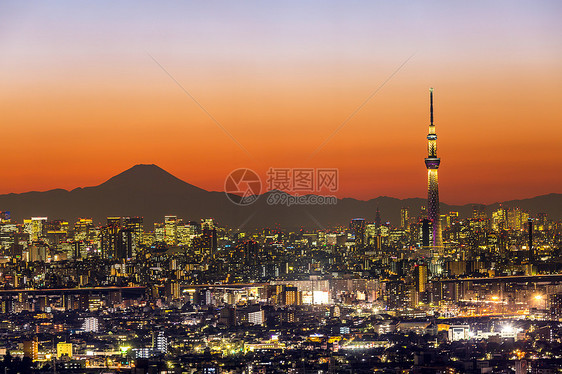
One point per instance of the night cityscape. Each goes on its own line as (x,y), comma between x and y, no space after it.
(325,231)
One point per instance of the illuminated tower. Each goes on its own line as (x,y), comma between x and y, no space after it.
(432,164)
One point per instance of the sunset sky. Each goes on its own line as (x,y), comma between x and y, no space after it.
(81,98)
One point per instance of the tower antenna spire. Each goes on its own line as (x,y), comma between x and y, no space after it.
(431,106)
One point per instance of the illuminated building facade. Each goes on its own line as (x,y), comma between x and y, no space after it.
(64,349)
(91,324)
(405,218)
(420,277)
(136,225)
(357,227)
(34,227)
(186,233)
(160,342)
(432,164)
(171,226)
(31,348)
(82,229)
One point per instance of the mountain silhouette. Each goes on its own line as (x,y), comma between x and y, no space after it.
(147,178)
(151,192)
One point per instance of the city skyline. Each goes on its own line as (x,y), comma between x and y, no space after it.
(84,84)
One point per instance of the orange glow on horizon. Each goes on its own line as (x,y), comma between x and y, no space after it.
(75,112)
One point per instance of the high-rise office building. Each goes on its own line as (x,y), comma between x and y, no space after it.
(136,225)
(109,237)
(371,236)
(499,219)
(159,232)
(251,252)
(120,238)
(404,218)
(208,241)
(207,223)
(186,233)
(83,229)
(420,284)
(171,230)
(114,221)
(37,252)
(420,277)
(357,227)
(34,227)
(516,218)
(125,245)
(432,163)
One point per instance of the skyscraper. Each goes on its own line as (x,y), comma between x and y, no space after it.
(109,237)
(34,227)
(357,227)
(136,225)
(432,164)
(171,226)
(405,218)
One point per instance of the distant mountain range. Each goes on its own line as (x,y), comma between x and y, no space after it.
(151,192)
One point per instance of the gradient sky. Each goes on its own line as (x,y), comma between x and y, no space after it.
(82,100)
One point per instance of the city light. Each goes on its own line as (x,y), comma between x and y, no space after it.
(124,349)
(507,329)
